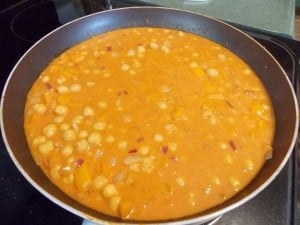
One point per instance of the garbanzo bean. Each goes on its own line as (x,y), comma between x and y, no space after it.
(122,145)
(102,104)
(62,89)
(46,147)
(49,130)
(180,181)
(235,182)
(249,164)
(88,111)
(54,172)
(95,138)
(40,108)
(109,191)
(38,140)
(144,150)
(82,145)
(99,182)
(125,67)
(64,126)
(67,150)
(100,125)
(61,110)
(158,137)
(75,87)
(212,72)
(69,135)
(110,139)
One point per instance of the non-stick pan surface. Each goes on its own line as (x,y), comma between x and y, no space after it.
(38,57)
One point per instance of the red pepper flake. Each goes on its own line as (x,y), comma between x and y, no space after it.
(232,145)
(164,149)
(48,86)
(78,162)
(173,158)
(140,139)
(108,48)
(124,92)
(132,151)
(229,104)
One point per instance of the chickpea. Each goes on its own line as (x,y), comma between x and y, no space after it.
(40,108)
(49,130)
(61,110)
(46,147)
(95,138)
(109,191)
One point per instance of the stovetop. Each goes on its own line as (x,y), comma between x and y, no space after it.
(22,22)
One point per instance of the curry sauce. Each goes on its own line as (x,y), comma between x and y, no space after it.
(149,123)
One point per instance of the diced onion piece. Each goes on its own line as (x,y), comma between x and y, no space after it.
(128,160)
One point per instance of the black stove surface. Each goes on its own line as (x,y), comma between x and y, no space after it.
(26,22)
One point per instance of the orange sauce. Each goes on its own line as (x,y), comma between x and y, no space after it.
(149,123)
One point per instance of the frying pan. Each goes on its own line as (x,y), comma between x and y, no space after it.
(41,53)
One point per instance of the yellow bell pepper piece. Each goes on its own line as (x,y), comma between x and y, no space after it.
(82,177)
